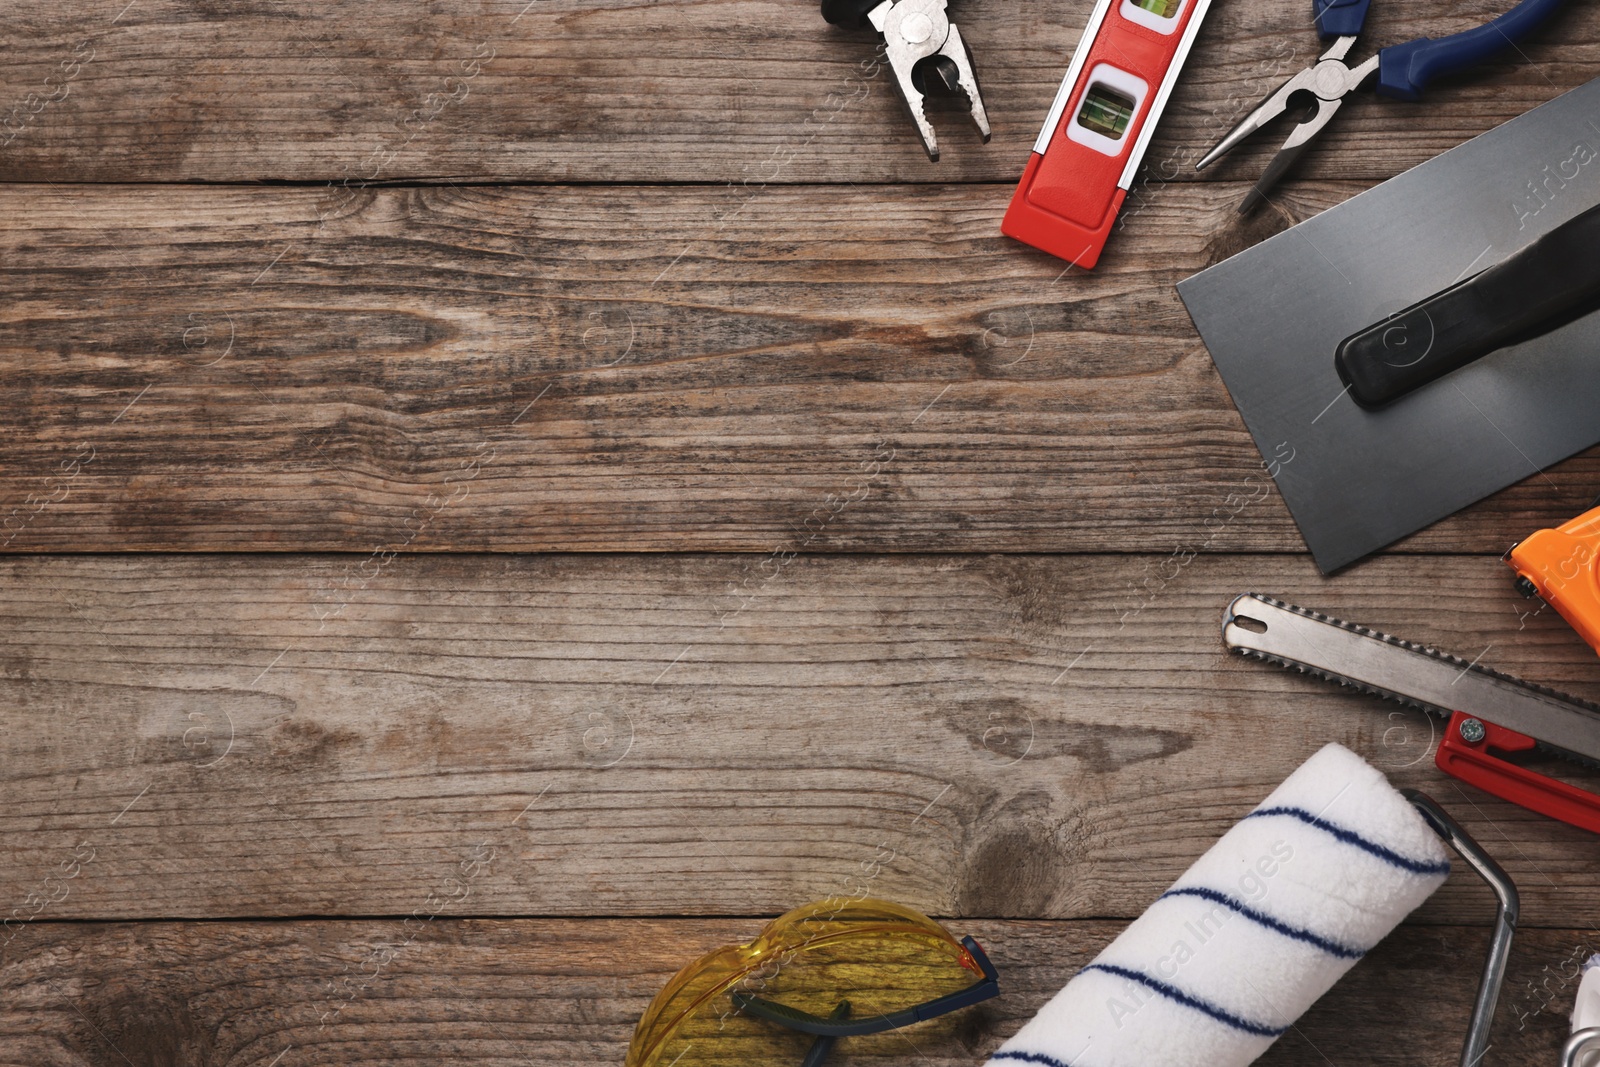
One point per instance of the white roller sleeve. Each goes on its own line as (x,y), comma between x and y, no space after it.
(1586,1008)
(1260,927)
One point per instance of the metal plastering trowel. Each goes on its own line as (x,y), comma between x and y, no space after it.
(1274,317)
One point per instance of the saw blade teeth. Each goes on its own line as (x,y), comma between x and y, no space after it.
(1346,683)
(1432,653)
(1356,628)
(1570,757)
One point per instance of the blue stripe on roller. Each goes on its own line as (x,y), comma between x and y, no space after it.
(1332,948)
(1394,859)
(1173,993)
(1031,1057)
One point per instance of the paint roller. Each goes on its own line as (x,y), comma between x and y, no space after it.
(1583,1048)
(1262,925)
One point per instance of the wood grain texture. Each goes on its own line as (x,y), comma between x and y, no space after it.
(630,369)
(1037,737)
(565,993)
(716,90)
(723,303)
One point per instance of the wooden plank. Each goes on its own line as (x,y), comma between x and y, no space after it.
(565,993)
(629,369)
(1020,737)
(716,90)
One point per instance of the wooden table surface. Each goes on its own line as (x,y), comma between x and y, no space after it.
(500,497)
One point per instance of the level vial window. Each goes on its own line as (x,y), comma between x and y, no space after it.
(1106,111)
(1105,117)
(1159,15)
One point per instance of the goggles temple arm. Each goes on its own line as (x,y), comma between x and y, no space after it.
(806,1023)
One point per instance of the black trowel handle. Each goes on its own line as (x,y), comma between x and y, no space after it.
(1547,284)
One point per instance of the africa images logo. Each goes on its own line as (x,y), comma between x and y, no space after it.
(1540,192)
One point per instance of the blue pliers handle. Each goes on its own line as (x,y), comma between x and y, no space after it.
(1404,70)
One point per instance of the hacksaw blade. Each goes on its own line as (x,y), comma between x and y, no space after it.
(1412,674)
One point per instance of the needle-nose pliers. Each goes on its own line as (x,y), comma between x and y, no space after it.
(1402,70)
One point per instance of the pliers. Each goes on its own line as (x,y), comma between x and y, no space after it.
(915,31)
(1403,71)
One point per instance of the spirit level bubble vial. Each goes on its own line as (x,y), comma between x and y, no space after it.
(1100,124)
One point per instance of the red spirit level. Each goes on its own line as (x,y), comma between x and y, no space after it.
(1100,124)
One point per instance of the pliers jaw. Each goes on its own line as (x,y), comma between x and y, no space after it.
(1322,87)
(919,33)
(918,36)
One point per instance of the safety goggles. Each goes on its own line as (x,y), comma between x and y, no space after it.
(832,969)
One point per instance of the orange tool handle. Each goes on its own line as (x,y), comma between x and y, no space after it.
(1474,763)
(1563,567)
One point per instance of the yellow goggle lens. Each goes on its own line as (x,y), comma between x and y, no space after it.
(877,956)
